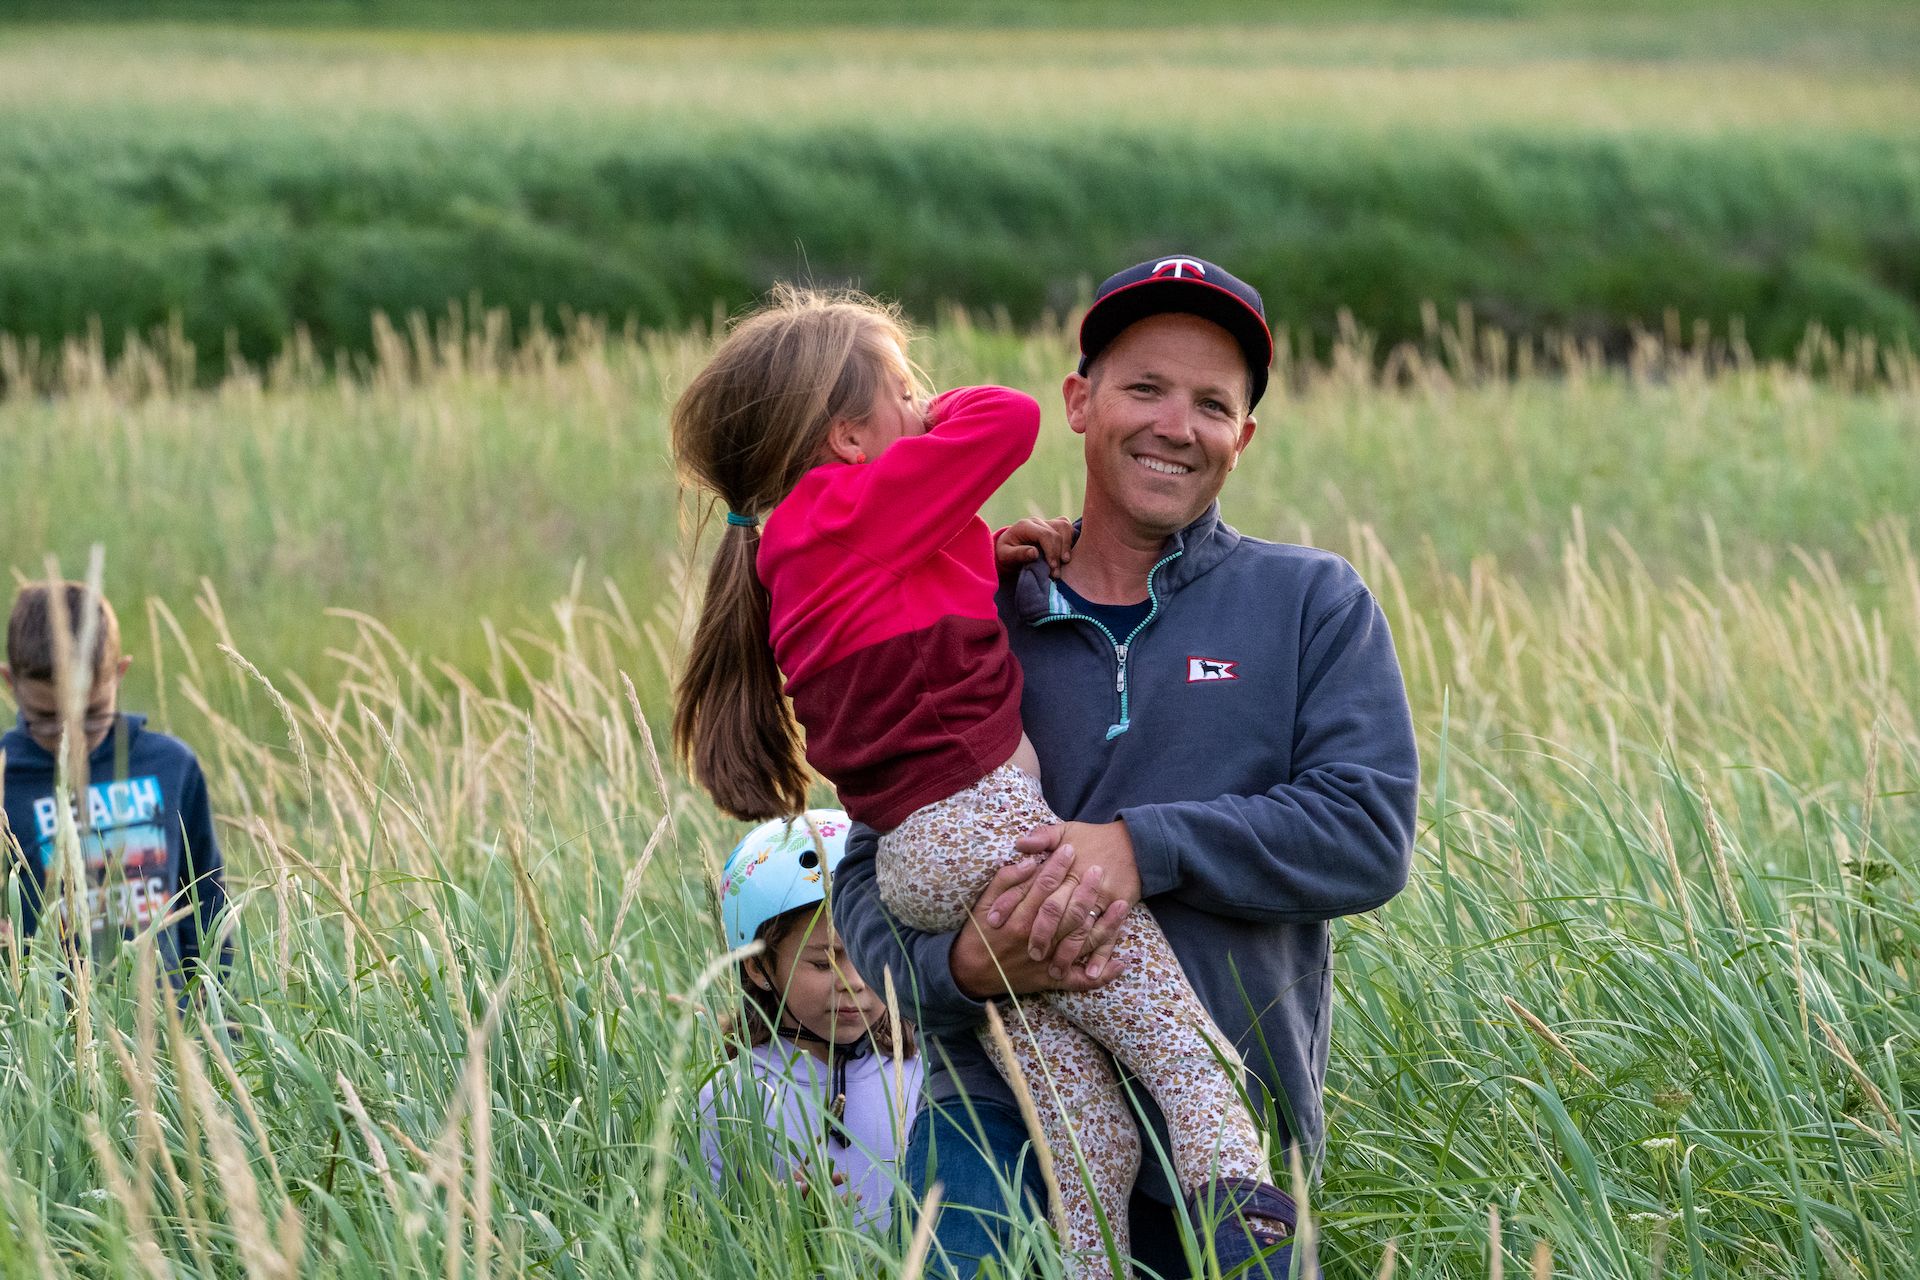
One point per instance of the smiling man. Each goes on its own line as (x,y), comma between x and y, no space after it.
(1225,721)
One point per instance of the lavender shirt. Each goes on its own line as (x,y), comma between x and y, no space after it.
(786,1089)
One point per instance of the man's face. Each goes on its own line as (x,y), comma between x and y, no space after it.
(1165,416)
(39,702)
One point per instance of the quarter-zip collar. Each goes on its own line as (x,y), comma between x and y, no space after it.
(1193,551)
(1185,556)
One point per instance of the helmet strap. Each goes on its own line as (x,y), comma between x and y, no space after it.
(791,1029)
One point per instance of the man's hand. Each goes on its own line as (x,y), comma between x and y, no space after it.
(1025,541)
(1067,923)
(992,955)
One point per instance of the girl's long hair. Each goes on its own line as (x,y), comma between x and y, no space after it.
(752,422)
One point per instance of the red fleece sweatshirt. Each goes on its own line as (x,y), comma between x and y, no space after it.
(882,579)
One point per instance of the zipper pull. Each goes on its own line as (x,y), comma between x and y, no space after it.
(1120,688)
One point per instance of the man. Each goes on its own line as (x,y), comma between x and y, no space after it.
(1224,721)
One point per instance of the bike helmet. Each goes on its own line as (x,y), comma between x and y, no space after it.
(778,868)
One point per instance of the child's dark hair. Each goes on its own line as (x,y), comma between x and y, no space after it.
(33,639)
(759,1017)
(750,425)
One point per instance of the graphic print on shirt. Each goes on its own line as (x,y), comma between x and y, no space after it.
(1201,670)
(124,833)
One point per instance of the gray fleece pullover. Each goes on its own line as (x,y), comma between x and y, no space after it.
(1253,733)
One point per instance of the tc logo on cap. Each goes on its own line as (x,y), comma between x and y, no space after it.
(1184,284)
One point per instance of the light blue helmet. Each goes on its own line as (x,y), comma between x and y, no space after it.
(777,868)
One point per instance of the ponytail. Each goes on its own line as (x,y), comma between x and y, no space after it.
(747,428)
(731,723)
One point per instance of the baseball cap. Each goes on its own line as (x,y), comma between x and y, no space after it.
(1184,284)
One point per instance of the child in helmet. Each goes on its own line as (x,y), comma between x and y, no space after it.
(814,1069)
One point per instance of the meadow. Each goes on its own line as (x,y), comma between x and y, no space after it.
(347,330)
(1568,167)
(1647,1008)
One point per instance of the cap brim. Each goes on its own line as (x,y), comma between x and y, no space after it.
(1128,304)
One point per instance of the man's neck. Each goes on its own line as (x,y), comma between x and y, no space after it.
(1112,562)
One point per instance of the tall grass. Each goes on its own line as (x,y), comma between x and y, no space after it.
(1647,1005)
(1651,997)
(615,15)
(456,476)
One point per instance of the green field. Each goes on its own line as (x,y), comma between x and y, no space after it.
(1649,999)
(1560,169)
(382,488)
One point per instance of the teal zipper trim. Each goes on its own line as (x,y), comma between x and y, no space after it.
(1121,648)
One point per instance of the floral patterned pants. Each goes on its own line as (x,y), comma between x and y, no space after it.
(930,870)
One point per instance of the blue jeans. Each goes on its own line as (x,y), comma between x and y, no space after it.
(978,1153)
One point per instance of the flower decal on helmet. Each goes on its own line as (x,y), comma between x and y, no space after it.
(778,868)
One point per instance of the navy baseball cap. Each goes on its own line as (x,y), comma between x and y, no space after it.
(1189,285)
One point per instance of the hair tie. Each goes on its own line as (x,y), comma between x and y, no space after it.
(745,522)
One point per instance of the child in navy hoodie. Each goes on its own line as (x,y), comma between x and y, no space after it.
(145,830)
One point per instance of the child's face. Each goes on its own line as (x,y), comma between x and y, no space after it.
(897,412)
(823,992)
(39,702)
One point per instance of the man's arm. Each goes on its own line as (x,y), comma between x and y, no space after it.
(877,942)
(1338,837)
(941,972)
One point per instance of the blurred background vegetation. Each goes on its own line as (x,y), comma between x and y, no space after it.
(1557,165)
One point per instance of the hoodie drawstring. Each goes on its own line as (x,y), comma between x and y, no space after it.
(841,1055)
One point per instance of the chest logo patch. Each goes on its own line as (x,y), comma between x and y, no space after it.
(1202,670)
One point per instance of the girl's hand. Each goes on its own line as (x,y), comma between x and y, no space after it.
(836,1183)
(837,1180)
(1025,541)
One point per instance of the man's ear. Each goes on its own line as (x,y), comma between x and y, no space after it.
(121,668)
(6,674)
(1246,438)
(844,440)
(1076,391)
